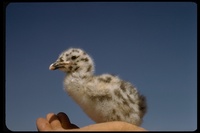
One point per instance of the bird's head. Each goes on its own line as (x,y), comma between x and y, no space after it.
(73,60)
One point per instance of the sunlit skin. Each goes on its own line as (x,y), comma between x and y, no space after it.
(61,122)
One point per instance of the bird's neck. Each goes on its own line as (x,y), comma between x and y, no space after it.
(81,73)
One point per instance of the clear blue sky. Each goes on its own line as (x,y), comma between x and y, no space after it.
(152,45)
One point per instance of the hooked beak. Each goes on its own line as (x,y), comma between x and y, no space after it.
(58,65)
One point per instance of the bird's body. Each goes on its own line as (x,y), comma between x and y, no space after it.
(104,97)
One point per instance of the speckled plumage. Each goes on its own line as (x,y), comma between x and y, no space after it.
(104,97)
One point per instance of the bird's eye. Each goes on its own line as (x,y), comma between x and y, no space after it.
(73,57)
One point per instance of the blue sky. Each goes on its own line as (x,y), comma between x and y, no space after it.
(152,45)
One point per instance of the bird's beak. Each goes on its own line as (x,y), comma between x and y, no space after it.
(58,65)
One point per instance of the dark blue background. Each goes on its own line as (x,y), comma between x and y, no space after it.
(152,45)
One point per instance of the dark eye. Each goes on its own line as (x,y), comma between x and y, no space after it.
(73,57)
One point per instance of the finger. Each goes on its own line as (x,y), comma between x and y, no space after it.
(64,120)
(74,126)
(54,121)
(43,125)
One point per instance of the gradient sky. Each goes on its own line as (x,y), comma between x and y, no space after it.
(152,45)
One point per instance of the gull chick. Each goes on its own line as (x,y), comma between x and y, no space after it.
(102,97)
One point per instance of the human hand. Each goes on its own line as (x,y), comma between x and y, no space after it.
(61,122)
